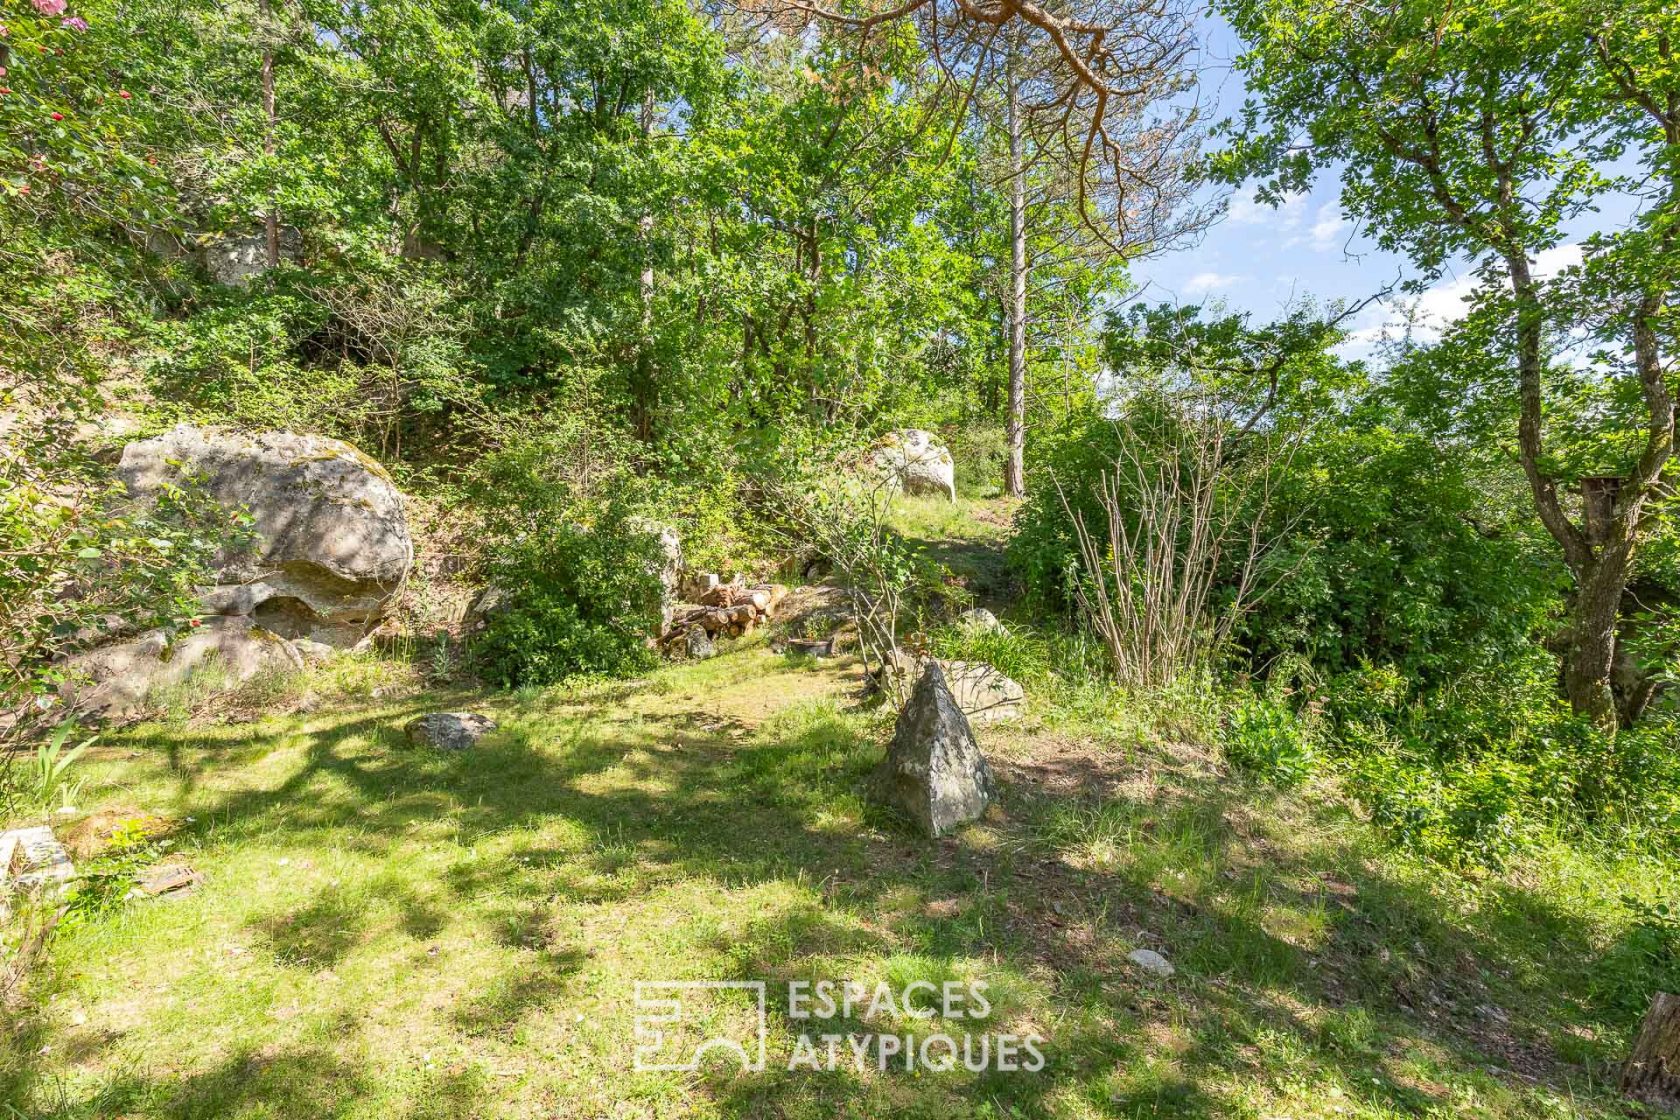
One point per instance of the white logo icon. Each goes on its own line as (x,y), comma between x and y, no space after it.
(664,1008)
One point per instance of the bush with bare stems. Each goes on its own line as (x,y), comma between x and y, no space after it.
(1183,550)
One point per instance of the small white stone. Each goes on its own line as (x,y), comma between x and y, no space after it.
(1151,962)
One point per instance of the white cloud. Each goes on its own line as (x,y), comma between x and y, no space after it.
(1426,316)
(1549,262)
(1327,227)
(1204,282)
(1245,210)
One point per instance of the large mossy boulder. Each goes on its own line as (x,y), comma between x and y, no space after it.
(331,547)
(917,463)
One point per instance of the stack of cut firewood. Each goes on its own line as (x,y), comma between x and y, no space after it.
(725,610)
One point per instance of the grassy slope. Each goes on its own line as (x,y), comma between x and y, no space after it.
(388,932)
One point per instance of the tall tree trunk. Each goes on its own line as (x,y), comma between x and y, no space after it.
(1600,571)
(1592,639)
(1014,471)
(646,391)
(1599,552)
(269,124)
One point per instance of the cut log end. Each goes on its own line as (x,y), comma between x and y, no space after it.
(1652,1073)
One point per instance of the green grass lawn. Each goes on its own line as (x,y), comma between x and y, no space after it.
(388,932)
(965,537)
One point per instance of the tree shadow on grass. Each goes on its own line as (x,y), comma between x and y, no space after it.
(532,986)
(1354,1004)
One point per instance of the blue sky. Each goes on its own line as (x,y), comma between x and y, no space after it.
(1258,258)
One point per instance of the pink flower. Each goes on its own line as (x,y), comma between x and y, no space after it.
(58,116)
(74,23)
(124,94)
(50,7)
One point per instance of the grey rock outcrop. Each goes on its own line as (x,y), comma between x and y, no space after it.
(332,548)
(121,680)
(918,463)
(449,731)
(934,770)
(983,693)
(668,566)
(234,259)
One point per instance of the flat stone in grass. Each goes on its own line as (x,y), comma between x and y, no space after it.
(934,770)
(449,731)
(170,880)
(984,694)
(1148,960)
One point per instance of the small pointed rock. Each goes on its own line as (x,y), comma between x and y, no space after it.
(1151,962)
(934,770)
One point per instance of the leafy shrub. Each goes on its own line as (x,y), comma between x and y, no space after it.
(1395,559)
(1465,814)
(582,598)
(844,521)
(1262,736)
(1044,551)
(1645,960)
(1017,652)
(80,562)
(721,531)
(103,883)
(373,357)
(1486,764)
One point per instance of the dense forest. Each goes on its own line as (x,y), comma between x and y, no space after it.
(626,319)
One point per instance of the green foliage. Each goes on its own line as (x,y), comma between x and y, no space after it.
(1396,556)
(830,507)
(1265,738)
(80,561)
(1498,133)
(1645,960)
(582,598)
(50,785)
(1061,465)
(1465,814)
(1268,385)
(1018,652)
(377,358)
(978,452)
(1494,761)
(103,883)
